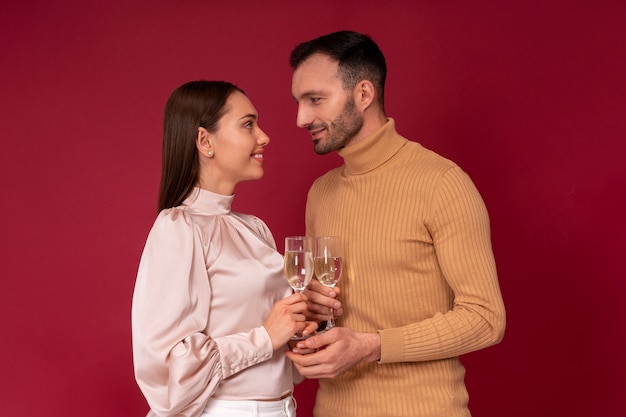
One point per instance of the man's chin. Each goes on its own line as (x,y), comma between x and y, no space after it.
(321,150)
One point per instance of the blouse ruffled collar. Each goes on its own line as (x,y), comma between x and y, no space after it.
(206,202)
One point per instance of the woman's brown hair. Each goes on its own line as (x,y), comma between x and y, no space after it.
(191,106)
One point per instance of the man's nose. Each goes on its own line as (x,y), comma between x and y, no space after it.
(303,118)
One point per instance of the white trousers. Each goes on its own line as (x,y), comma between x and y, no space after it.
(225,408)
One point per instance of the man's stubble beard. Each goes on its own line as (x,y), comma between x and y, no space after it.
(341,130)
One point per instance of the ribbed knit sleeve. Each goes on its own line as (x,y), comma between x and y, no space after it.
(459,226)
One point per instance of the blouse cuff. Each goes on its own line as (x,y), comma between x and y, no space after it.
(242,350)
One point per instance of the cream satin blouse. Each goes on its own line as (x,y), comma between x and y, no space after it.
(207,279)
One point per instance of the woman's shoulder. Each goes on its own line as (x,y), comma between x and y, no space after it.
(257,225)
(250,219)
(172,220)
(174,215)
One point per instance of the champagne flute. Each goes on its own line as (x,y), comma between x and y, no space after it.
(298,265)
(328,264)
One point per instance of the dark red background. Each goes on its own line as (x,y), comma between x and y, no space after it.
(529,98)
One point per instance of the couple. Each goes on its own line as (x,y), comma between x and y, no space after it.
(212,313)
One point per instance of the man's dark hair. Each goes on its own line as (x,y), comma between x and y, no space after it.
(358,56)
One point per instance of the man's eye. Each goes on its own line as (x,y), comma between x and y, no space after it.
(314,100)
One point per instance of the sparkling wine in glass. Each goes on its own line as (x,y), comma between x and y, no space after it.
(328,265)
(298,264)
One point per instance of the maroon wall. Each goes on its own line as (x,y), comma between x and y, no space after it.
(529,99)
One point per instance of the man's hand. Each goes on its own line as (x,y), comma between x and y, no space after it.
(320,299)
(338,350)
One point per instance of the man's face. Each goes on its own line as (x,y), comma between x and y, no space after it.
(325,109)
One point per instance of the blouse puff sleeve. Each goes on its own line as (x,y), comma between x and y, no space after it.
(177,365)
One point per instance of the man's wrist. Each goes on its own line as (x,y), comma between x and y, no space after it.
(372,341)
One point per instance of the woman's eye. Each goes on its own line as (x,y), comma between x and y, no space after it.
(248,125)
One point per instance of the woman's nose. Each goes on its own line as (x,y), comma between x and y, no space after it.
(263,139)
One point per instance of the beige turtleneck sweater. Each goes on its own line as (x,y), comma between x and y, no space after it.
(419,270)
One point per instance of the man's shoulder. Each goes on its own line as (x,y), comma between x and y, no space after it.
(422,157)
(329,176)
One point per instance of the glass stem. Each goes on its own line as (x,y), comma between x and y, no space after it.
(331,320)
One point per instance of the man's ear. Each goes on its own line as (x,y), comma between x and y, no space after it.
(364,94)
(204,142)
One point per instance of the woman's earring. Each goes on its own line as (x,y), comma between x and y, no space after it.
(210,153)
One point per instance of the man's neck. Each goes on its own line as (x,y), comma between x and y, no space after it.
(371,123)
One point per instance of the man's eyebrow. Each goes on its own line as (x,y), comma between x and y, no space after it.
(310,93)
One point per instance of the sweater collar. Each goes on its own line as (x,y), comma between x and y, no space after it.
(373,151)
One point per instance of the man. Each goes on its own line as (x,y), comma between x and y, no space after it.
(419,286)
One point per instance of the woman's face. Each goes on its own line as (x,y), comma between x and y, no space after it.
(238,146)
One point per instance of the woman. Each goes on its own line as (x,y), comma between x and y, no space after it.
(212,312)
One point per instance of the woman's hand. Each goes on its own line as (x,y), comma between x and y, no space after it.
(287,317)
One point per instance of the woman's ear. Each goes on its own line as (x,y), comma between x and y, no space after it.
(203,142)
(364,94)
